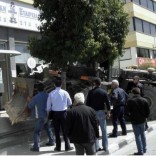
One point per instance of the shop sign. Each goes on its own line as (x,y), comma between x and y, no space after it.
(145,61)
(18,15)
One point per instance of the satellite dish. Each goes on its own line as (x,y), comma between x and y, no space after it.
(31,63)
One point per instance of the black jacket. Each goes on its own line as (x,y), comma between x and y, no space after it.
(132,85)
(81,124)
(97,99)
(138,109)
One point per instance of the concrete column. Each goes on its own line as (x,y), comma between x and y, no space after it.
(10,62)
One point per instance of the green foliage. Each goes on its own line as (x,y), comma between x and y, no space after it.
(79,30)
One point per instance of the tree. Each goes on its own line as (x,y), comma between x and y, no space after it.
(79,30)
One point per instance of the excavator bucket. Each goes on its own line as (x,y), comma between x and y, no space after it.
(16,108)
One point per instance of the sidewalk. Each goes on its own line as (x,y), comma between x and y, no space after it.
(23,147)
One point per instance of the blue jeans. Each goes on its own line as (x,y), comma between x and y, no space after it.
(140,138)
(37,132)
(102,122)
(48,129)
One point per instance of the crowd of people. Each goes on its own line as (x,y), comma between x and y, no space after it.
(79,121)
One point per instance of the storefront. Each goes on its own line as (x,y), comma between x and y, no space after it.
(18,22)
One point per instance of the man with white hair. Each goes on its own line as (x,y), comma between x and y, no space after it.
(82,127)
(118,99)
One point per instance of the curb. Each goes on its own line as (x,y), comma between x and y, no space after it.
(116,146)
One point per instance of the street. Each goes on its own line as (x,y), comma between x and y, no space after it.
(131,148)
(122,145)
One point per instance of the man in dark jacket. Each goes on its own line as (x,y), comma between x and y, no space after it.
(136,83)
(82,127)
(118,99)
(138,110)
(98,99)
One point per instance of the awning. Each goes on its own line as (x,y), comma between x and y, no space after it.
(11,52)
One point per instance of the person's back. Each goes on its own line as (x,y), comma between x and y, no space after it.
(97,98)
(83,118)
(82,127)
(118,100)
(38,104)
(138,108)
(38,107)
(58,102)
(119,97)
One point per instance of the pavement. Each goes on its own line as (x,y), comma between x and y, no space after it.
(22,141)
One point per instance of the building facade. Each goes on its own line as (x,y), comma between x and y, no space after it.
(140,46)
(18,22)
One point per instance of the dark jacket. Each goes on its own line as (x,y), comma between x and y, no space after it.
(97,99)
(81,124)
(137,109)
(133,85)
(118,97)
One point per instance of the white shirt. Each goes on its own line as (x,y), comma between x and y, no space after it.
(58,100)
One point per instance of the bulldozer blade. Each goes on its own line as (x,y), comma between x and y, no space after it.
(16,108)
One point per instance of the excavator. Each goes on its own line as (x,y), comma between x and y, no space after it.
(78,79)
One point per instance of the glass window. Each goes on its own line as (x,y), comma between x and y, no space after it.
(138,25)
(153,29)
(150,5)
(146,27)
(154,53)
(143,3)
(2,45)
(154,6)
(136,1)
(141,52)
(23,48)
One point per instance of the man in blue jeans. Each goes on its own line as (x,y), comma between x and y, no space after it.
(50,133)
(38,109)
(98,99)
(138,110)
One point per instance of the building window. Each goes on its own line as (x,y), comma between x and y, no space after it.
(154,53)
(141,52)
(25,53)
(136,1)
(138,25)
(153,29)
(2,45)
(143,3)
(150,5)
(154,6)
(23,48)
(146,27)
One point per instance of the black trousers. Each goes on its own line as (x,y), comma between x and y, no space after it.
(118,114)
(59,124)
(82,148)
